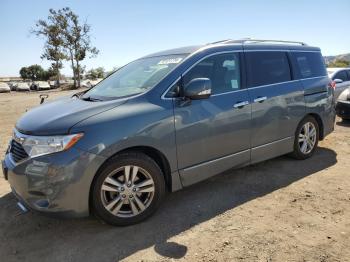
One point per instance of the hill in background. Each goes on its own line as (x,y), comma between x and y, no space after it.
(332,59)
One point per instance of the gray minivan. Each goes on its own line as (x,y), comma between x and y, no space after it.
(167,121)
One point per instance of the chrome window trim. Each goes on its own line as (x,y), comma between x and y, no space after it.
(281,50)
(229,92)
(242,51)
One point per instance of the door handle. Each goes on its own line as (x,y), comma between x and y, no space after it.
(260,99)
(241,104)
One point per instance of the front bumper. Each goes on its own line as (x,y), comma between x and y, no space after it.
(54,184)
(343,109)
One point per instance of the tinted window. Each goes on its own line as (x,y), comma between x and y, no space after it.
(223,71)
(266,68)
(309,64)
(341,75)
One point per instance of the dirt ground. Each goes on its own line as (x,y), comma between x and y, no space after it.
(278,210)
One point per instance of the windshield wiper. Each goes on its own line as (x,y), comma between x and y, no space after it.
(91,99)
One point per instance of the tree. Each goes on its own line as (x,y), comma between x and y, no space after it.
(36,73)
(112,71)
(53,49)
(95,73)
(339,63)
(66,39)
(76,38)
(24,73)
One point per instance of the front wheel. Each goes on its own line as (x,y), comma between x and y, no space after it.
(306,138)
(128,189)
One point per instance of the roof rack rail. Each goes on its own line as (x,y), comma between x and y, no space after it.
(256,41)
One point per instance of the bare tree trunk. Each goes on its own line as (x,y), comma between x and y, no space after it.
(57,73)
(78,72)
(73,67)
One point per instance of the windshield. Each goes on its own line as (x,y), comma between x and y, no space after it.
(134,78)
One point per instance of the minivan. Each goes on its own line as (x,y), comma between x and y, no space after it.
(166,121)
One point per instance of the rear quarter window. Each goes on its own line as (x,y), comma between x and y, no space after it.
(308,64)
(265,68)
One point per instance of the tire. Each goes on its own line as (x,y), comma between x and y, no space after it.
(299,151)
(122,201)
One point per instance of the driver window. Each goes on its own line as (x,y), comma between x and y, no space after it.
(223,70)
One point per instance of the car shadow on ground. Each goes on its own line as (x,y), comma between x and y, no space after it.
(33,237)
(343,122)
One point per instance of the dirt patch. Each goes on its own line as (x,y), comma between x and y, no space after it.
(278,210)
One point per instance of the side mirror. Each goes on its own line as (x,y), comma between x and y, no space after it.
(198,88)
(338,81)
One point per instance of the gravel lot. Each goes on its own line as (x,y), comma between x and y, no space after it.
(278,210)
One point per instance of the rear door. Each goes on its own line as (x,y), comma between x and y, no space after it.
(318,94)
(277,103)
(213,134)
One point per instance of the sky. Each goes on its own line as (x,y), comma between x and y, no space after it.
(126,30)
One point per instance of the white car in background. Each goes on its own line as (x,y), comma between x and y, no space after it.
(4,88)
(42,85)
(341,77)
(22,86)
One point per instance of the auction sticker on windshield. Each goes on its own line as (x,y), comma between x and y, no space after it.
(170,61)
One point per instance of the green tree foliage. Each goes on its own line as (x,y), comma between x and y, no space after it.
(112,71)
(65,31)
(76,40)
(339,63)
(53,49)
(36,73)
(95,73)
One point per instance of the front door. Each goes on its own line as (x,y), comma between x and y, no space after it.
(213,134)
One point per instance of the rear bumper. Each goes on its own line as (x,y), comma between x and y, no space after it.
(56,184)
(343,109)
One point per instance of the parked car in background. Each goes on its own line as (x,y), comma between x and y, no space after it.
(341,77)
(343,104)
(53,84)
(13,86)
(86,83)
(22,86)
(166,121)
(4,88)
(39,86)
(43,85)
(33,86)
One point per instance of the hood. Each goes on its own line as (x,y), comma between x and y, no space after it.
(57,117)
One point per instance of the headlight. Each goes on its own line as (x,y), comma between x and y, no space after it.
(42,145)
(344,96)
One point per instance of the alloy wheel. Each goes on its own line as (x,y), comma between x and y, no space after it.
(127,191)
(307,137)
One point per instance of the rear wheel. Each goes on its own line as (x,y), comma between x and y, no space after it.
(306,138)
(128,189)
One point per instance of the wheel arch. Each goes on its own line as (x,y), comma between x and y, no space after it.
(151,152)
(319,121)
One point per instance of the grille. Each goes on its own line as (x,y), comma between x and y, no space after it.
(17,151)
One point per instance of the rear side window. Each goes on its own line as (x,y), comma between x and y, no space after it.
(341,75)
(309,64)
(266,68)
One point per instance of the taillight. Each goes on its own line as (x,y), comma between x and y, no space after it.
(332,84)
